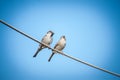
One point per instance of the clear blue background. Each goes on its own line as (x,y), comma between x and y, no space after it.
(92,30)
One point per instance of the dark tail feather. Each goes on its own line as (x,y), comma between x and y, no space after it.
(51,57)
(39,49)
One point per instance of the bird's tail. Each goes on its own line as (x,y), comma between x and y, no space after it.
(39,49)
(50,57)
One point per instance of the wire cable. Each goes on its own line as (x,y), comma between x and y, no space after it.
(60,52)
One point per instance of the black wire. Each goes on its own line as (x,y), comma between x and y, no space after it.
(19,31)
(78,60)
(115,74)
(8,25)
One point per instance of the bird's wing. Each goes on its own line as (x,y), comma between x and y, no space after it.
(43,38)
(56,45)
(64,46)
(42,41)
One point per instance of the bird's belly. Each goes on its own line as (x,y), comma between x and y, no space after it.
(60,47)
(47,40)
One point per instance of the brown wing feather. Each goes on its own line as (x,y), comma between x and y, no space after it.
(56,45)
(63,47)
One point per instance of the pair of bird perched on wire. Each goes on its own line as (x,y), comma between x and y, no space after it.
(47,39)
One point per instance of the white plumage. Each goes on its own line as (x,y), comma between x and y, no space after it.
(59,46)
(47,39)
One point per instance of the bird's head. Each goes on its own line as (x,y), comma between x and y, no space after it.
(50,32)
(63,37)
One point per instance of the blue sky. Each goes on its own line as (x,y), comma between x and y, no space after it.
(92,30)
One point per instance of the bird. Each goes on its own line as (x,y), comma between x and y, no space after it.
(47,39)
(59,46)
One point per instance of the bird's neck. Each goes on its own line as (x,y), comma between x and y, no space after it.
(48,34)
